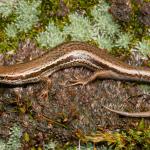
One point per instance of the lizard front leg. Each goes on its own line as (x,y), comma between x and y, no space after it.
(47,85)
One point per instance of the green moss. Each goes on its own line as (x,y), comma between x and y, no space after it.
(29,18)
(18,19)
(53,8)
(138,137)
(7,44)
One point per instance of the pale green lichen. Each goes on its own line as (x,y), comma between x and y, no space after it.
(80,28)
(7,7)
(26,17)
(144,47)
(51,37)
(27,14)
(106,31)
(51,145)
(14,139)
(123,41)
(11,30)
(104,41)
(101,27)
(103,21)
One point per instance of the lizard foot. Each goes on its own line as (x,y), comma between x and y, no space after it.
(78,82)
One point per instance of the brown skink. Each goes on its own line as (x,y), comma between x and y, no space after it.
(73,54)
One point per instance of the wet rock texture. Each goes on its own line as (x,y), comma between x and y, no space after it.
(61,110)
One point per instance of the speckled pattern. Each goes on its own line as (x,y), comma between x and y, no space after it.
(75,107)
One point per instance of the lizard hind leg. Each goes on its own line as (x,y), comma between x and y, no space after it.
(47,86)
(101,74)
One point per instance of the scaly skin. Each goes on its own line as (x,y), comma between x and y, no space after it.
(73,54)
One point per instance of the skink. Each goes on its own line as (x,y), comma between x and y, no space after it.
(73,54)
